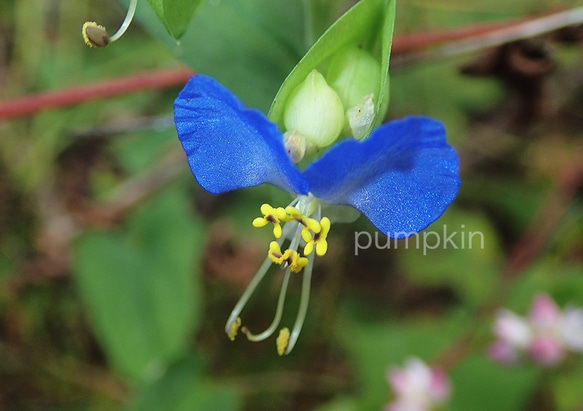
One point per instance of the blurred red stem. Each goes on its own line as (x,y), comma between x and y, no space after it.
(537,235)
(420,40)
(154,80)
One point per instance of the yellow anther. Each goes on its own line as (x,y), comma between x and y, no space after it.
(275,253)
(296,263)
(282,340)
(319,239)
(322,244)
(309,223)
(94,35)
(312,224)
(278,212)
(292,258)
(234,329)
(271,215)
(260,222)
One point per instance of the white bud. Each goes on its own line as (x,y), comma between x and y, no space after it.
(315,111)
(354,73)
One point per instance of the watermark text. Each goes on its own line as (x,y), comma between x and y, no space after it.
(425,240)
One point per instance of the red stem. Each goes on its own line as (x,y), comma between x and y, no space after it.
(154,80)
(420,40)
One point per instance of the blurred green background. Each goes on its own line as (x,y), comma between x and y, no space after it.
(117,272)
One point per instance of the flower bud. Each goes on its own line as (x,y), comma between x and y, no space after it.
(315,111)
(354,73)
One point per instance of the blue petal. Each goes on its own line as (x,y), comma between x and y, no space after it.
(402,177)
(228,146)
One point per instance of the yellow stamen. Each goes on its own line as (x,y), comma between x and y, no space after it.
(282,340)
(271,215)
(234,329)
(292,258)
(297,263)
(319,239)
(309,223)
(275,253)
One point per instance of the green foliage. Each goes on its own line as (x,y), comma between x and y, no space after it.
(567,387)
(469,261)
(140,286)
(176,15)
(183,387)
(482,385)
(269,39)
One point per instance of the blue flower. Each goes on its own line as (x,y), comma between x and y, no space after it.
(402,177)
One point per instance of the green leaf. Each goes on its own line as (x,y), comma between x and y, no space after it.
(461,250)
(251,51)
(368,24)
(139,285)
(567,385)
(482,385)
(182,386)
(176,14)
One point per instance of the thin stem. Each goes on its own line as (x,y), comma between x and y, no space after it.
(278,312)
(126,23)
(304,299)
(247,294)
(303,309)
(282,293)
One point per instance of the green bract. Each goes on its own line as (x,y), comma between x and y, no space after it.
(369,26)
(176,14)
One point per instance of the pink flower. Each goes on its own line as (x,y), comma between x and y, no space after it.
(417,387)
(545,335)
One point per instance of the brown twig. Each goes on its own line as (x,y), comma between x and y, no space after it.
(496,37)
(410,42)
